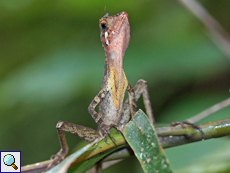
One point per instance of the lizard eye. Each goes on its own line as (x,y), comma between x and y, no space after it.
(103,25)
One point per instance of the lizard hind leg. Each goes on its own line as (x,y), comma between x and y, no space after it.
(141,88)
(85,133)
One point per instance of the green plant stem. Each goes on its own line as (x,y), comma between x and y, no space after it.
(174,136)
(168,137)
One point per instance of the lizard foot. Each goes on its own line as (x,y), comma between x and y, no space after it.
(56,159)
(183,123)
(105,129)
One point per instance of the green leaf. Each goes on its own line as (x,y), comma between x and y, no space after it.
(89,163)
(143,139)
(65,164)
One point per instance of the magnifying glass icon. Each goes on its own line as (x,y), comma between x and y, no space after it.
(9,160)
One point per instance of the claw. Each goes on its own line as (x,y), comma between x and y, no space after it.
(55,160)
(106,131)
(97,141)
(52,157)
(118,130)
(111,136)
(189,123)
(106,139)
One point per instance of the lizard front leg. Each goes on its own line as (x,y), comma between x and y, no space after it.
(105,128)
(85,133)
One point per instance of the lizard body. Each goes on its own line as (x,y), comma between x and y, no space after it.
(115,36)
(114,77)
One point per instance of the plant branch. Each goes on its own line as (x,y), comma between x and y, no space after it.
(220,36)
(174,136)
(210,111)
(168,137)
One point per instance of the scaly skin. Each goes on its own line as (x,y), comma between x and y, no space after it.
(115,36)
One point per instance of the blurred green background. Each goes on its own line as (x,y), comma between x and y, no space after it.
(51,67)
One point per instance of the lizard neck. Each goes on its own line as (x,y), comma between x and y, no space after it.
(114,65)
(115,62)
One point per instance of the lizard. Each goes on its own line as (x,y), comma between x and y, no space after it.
(115,37)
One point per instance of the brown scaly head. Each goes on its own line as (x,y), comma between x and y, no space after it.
(115,32)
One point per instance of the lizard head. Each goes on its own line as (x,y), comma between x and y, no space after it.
(115,32)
